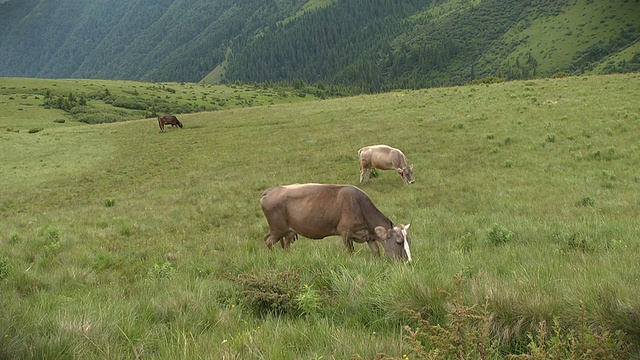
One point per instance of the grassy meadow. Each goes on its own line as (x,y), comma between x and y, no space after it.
(25,106)
(118,241)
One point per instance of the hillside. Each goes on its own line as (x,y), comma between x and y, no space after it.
(366,45)
(119,242)
(64,102)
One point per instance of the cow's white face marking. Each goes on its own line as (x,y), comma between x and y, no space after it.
(405,242)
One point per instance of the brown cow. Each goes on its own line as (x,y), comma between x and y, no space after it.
(384,157)
(316,211)
(168,120)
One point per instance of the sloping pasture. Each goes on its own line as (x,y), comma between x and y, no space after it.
(118,241)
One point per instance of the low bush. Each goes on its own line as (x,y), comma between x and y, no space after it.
(499,235)
(466,334)
(109,202)
(4,267)
(278,292)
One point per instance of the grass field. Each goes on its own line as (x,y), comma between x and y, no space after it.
(24,109)
(118,241)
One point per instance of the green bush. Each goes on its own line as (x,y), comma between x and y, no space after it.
(278,292)
(586,201)
(161,271)
(4,267)
(551,137)
(100,118)
(499,235)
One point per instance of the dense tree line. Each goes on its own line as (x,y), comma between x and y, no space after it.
(374,46)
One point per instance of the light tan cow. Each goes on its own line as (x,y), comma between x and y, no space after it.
(384,157)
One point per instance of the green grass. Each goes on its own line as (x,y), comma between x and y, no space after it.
(150,274)
(22,100)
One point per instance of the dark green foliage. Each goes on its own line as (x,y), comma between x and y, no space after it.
(498,235)
(100,118)
(4,267)
(586,59)
(586,201)
(278,292)
(109,202)
(346,46)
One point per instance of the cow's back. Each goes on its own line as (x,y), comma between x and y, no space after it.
(385,157)
(312,210)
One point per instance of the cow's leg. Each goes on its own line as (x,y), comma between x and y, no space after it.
(269,239)
(348,241)
(365,173)
(273,237)
(289,239)
(374,247)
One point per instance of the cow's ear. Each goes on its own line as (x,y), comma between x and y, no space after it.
(381,232)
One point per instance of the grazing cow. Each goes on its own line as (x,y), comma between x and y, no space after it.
(384,157)
(316,211)
(168,120)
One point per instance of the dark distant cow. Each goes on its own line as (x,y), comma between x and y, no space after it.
(168,120)
(316,211)
(384,157)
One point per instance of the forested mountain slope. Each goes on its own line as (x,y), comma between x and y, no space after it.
(369,45)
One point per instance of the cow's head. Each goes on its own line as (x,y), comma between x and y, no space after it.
(407,174)
(395,241)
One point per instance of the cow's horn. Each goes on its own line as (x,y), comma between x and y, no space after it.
(410,222)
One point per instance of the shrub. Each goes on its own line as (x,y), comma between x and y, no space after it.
(278,292)
(499,235)
(551,137)
(465,334)
(161,271)
(100,118)
(587,343)
(488,80)
(586,201)
(109,202)
(4,267)
(14,238)
(573,243)
(35,130)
